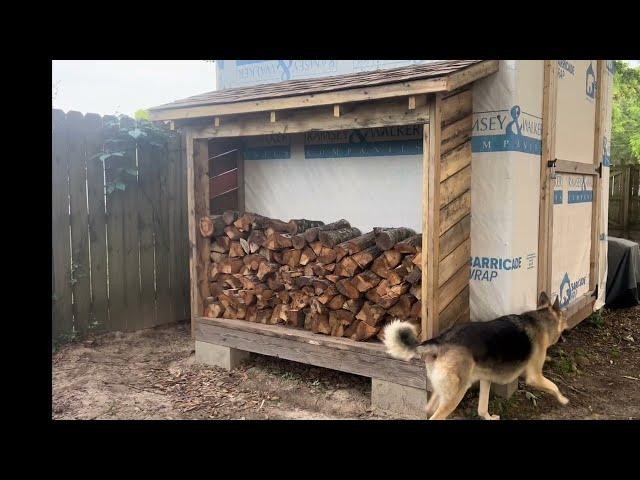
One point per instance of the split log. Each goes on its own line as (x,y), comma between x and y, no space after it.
(294,318)
(338,321)
(380,267)
(331,238)
(253,261)
(350,331)
(392,258)
(211,226)
(346,288)
(402,308)
(417,260)
(327,255)
(256,240)
(365,281)
(275,284)
(278,226)
(412,244)
(308,255)
(332,278)
(217,256)
(214,310)
(414,276)
(298,241)
(320,323)
(250,282)
(230,265)
(386,239)
(214,272)
(318,307)
(364,331)
(311,234)
(336,302)
(348,266)
(229,216)
(366,256)
(302,224)
(360,243)
(371,313)
(330,292)
(299,300)
(252,313)
(316,247)
(233,233)
(397,275)
(236,250)
(221,245)
(291,257)
(263,316)
(353,305)
(266,268)
(245,246)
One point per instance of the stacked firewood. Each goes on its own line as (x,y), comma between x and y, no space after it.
(330,279)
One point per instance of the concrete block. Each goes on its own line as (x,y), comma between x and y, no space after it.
(399,399)
(219,356)
(504,391)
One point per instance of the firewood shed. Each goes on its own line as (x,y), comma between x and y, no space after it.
(221,129)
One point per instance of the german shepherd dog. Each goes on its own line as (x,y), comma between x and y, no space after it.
(497,351)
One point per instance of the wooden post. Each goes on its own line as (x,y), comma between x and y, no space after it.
(545,231)
(594,255)
(626,196)
(431,229)
(198,205)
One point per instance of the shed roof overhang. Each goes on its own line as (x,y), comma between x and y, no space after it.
(359,100)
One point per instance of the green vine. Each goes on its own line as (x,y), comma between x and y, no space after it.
(127,134)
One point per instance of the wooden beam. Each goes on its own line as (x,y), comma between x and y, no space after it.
(471,74)
(417,101)
(361,358)
(216,122)
(601,102)
(198,206)
(545,226)
(401,89)
(365,115)
(431,229)
(577,168)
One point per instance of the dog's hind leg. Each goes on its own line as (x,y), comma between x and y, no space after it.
(432,404)
(448,405)
(537,380)
(483,402)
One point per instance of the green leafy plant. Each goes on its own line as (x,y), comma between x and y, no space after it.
(125,136)
(625,121)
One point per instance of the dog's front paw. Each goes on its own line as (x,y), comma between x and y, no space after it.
(563,400)
(488,416)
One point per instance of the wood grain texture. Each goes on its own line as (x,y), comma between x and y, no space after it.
(61,251)
(361,358)
(79,221)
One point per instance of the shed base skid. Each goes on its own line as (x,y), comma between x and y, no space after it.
(397,386)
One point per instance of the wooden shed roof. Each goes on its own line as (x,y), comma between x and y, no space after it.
(415,79)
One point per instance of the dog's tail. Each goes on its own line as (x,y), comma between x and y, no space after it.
(401,340)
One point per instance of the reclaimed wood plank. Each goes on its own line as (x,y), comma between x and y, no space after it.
(79,222)
(61,295)
(97,222)
(306,347)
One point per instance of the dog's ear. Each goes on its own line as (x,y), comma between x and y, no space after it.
(556,304)
(543,301)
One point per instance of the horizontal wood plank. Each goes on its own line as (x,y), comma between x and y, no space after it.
(578,168)
(364,115)
(303,346)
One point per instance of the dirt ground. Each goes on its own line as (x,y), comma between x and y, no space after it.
(151,374)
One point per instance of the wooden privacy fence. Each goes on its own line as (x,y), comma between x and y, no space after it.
(119,228)
(624,202)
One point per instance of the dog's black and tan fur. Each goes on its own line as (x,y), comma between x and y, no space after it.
(498,351)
